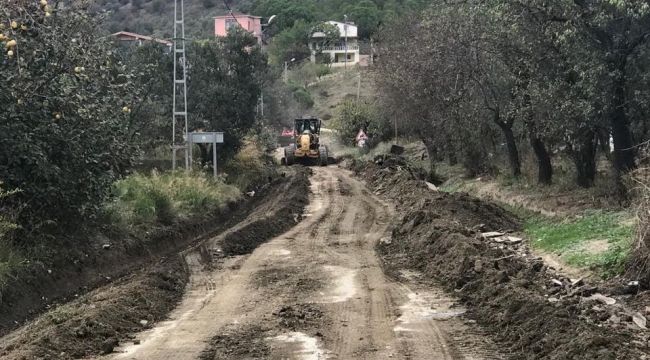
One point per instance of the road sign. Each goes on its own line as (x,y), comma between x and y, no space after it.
(206,138)
(213,138)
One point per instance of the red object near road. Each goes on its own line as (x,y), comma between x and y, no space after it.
(288,132)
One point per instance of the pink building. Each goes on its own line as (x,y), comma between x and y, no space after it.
(250,23)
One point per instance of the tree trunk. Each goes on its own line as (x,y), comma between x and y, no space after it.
(584,157)
(432,153)
(452,157)
(511,144)
(624,154)
(545,168)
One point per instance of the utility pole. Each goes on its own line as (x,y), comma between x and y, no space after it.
(345,29)
(180,131)
(359,87)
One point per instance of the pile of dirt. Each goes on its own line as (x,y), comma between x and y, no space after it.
(515,296)
(239,343)
(274,279)
(301,317)
(292,197)
(98,321)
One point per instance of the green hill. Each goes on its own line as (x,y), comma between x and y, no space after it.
(156,16)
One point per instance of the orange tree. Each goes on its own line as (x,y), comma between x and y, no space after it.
(66,120)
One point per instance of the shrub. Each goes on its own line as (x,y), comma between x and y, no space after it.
(352,116)
(144,199)
(250,167)
(9,257)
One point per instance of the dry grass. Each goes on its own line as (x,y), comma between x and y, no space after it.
(639,264)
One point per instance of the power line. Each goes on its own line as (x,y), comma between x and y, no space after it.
(225,2)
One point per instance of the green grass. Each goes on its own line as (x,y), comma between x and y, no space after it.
(163,198)
(10,260)
(568,237)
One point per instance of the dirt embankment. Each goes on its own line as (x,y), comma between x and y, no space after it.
(526,306)
(98,321)
(75,270)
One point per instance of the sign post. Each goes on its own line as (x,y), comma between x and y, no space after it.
(213,138)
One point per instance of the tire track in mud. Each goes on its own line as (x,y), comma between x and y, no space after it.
(317,291)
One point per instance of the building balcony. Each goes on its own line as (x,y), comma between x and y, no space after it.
(351,47)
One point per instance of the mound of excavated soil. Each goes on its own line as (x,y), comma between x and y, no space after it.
(291,197)
(97,322)
(301,317)
(510,293)
(247,343)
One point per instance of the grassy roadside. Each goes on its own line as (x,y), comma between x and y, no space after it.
(597,240)
(164,198)
(581,237)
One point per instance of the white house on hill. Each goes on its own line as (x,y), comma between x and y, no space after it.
(337,51)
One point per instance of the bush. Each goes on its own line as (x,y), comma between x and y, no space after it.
(141,199)
(9,257)
(250,167)
(303,97)
(352,116)
(309,72)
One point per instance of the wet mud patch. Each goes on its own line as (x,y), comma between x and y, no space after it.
(239,343)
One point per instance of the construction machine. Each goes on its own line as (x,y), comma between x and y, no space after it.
(306,147)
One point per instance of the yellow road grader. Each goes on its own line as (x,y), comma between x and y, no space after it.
(305,147)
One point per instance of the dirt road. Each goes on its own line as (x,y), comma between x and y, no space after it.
(315,292)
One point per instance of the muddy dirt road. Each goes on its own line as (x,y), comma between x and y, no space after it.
(315,292)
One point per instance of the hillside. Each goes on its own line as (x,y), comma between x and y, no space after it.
(156,16)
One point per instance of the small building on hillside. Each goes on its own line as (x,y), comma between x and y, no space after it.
(337,51)
(126,37)
(250,23)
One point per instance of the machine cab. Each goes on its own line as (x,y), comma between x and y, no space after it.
(307,126)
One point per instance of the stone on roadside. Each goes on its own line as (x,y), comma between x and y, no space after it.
(109,345)
(431,186)
(639,320)
(492,234)
(602,298)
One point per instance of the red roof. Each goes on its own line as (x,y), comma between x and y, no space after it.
(129,36)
